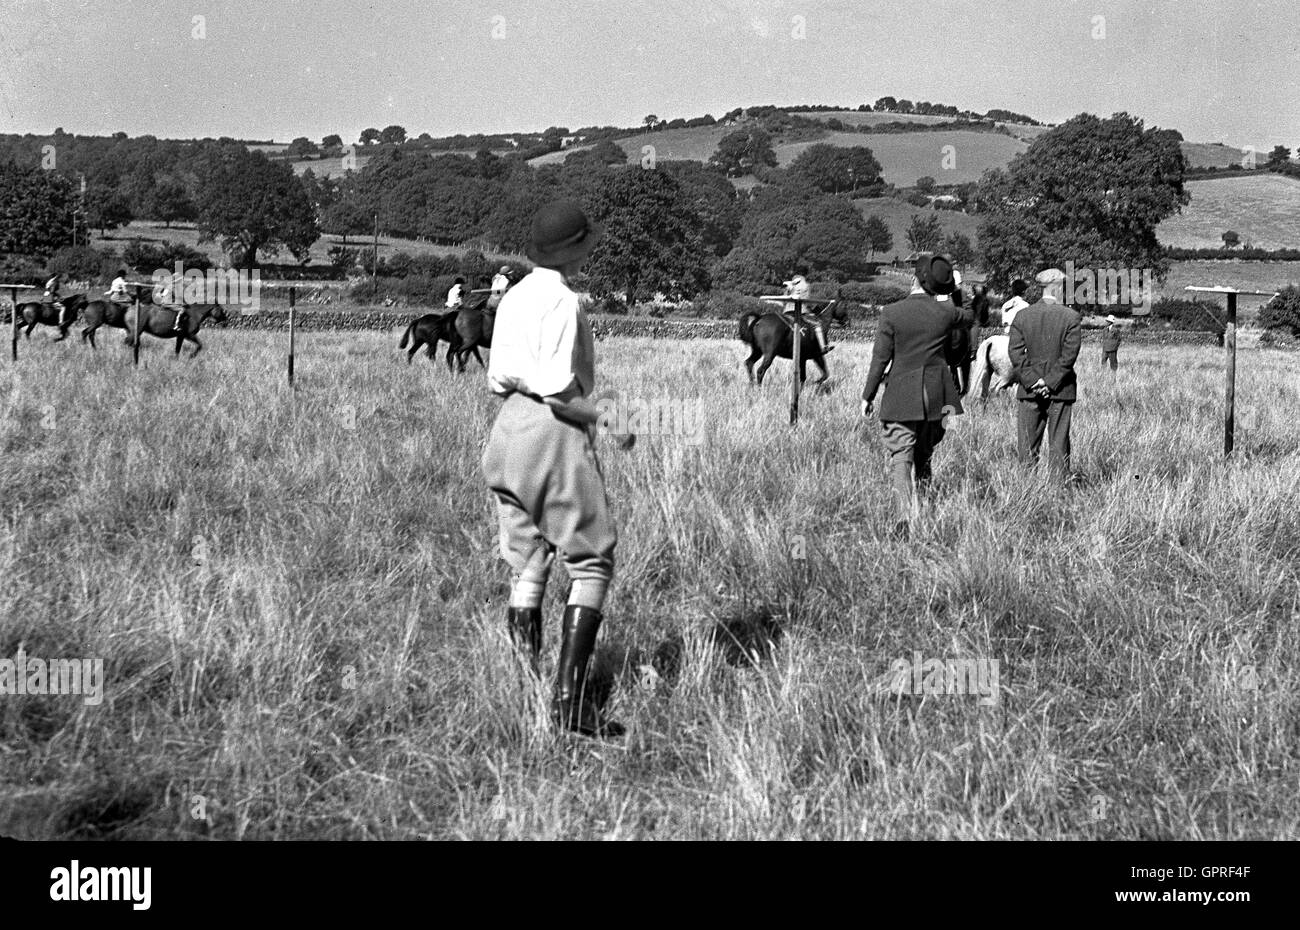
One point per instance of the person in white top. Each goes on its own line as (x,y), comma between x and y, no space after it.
(799,287)
(1015,304)
(117,291)
(540,461)
(500,284)
(456,295)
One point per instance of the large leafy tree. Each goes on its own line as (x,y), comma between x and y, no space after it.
(1091,191)
(924,233)
(836,169)
(106,209)
(740,152)
(36,211)
(652,238)
(169,200)
(879,238)
(253,205)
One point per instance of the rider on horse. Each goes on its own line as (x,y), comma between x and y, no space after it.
(117,291)
(167,297)
(798,287)
(52,296)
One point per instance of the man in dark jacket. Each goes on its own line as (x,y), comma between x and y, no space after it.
(914,338)
(1110,344)
(1044,346)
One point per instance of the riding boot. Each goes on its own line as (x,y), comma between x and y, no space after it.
(572,707)
(821,339)
(525,625)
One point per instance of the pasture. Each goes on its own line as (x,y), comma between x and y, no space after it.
(1263,209)
(299,606)
(898,214)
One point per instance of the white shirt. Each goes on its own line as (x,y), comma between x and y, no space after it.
(1011,308)
(453,296)
(542,340)
(118,287)
(500,284)
(798,287)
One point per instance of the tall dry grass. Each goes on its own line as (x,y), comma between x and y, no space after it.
(299,605)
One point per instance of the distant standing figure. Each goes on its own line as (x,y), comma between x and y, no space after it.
(1015,304)
(914,339)
(1110,344)
(1044,347)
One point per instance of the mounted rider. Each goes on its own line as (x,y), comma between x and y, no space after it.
(799,288)
(52,296)
(165,295)
(117,291)
(500,284)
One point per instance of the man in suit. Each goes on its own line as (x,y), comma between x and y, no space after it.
(914,338)
(1044,346)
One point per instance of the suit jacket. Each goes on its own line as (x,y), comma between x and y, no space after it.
(915,334)
(1110,339)
(1044,344)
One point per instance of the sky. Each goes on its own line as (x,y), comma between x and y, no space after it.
(276,69)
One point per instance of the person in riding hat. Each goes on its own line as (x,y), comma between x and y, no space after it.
(52,295)
(914,339)
(798,287)
(540,460)
(500,284)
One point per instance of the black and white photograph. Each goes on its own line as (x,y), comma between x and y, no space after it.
(650,420)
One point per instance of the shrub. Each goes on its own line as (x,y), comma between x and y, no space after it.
(1204,316)
(729,305)
(22,269)
(83,263)
(147,258)
(1283,311)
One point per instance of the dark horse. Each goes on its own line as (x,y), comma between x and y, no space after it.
(474,325)
(770,335)
(37,311)
(104,312)
(429,330)
(161,322)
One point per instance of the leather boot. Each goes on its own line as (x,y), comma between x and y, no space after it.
(572,707)
(525,625)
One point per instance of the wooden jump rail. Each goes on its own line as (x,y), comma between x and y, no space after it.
(13,290)
(1230,354)
(796,343)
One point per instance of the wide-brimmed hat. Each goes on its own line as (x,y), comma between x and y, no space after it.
(935,272)
(561,233)
(1110,318)
(505,269)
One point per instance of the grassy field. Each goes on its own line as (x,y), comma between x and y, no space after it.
(904,156)
(1255,276)
(1263,209)
(897,215)
(298,603)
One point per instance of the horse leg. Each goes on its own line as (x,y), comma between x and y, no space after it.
(415,347)
(768,356)
(451,351)
(754,355)
(198,346)
(479,357)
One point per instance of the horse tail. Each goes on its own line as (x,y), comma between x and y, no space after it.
(746,331)
(406,336)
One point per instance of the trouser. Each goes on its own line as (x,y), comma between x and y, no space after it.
(550,495)
(910,444)
(1053,416)
(1111,356)
(819,331)
(63,312)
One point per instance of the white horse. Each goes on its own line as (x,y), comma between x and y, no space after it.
(992,364)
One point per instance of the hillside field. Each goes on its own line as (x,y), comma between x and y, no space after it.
(1263,209)
(299,607)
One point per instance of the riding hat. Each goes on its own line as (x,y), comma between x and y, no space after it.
(561,234)
(936,274)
